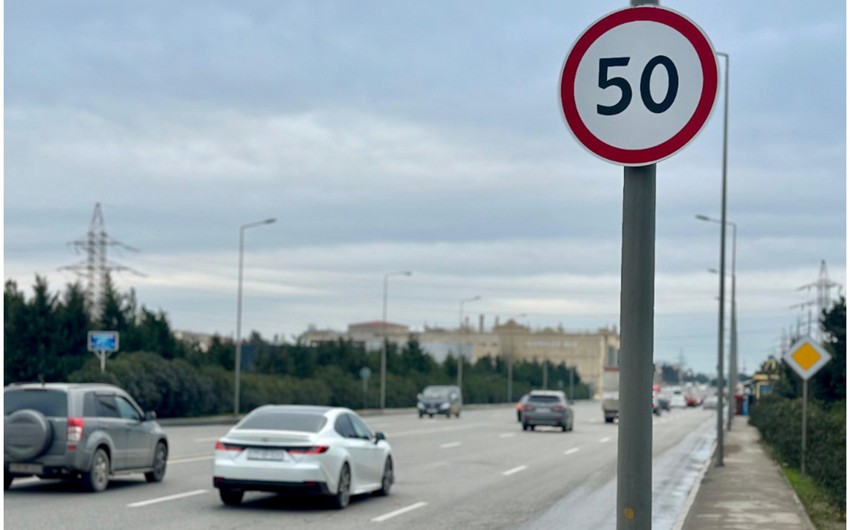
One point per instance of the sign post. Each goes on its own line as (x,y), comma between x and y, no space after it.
(636,87)
(103,344)
(806,357)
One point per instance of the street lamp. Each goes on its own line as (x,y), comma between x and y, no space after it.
(238,366)
(384,333)
(733,331)
(511,360)
(460,328)
(720,449)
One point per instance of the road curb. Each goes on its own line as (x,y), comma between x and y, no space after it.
(692,496)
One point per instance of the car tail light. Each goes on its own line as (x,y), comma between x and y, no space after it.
(528,407)
(75,430)
(559,408)
(315,450)
(220,446)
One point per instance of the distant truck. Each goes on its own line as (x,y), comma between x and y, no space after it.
(611,393)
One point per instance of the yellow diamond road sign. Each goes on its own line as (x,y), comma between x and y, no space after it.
(806,357)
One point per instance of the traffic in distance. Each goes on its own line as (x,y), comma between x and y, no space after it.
(64,438)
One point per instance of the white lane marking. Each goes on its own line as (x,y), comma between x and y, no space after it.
(571,451)
(606,439)
(392,435)
(190,459)
(390,515)
(451,444)
(166,499)
(514,470)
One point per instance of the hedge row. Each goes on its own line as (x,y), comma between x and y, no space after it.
(175,388)
(780,422)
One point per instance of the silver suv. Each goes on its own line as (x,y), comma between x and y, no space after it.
(81,431)
(547,407)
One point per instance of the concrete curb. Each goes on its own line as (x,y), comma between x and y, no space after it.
(692,496)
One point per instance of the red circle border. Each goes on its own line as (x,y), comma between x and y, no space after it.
(649,155)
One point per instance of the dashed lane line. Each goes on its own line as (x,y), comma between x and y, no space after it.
(166,499)
(514,470)
(450,444)
(571,451)
(406,509)
(605,440)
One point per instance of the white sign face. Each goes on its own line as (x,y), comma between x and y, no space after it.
(638,85)
(806,357)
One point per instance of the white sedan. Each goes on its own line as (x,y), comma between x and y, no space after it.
(302,449)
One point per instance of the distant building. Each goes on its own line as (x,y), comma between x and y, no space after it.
(588,351)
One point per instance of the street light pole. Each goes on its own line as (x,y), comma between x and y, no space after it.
(511,360)
(384,337)
(238,366)
(733,327)
(460,330)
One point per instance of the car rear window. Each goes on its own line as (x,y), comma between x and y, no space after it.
(285,421)
(544,399)
(51,403)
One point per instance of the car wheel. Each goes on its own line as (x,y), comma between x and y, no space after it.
(160,458)
(230,496)
(420,415)
(343,489)
(430,415)
(387,479)
(564,427)
(97,478)
(525,426)
(7,480)
(457,415)
(531,427)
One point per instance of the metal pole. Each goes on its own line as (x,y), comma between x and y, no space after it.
(803,450)
(722,304)
(460,346)
(238,362)
(384,336)
(733,338)
(637,299)
(572,374)
(545,374)
(238,367)
(511,371)
(384,347)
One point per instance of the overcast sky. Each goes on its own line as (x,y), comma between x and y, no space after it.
(427,136)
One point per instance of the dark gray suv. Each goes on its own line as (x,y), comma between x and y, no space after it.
(80,431)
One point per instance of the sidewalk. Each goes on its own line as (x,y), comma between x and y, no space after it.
(748,492)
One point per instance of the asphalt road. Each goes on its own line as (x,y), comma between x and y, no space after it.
(479,471)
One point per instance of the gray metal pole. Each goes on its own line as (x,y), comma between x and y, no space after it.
(238,368)
(733,338)
(722,304)
(384,336)
(637,300)
(384,347)
(637,308)
(803,449)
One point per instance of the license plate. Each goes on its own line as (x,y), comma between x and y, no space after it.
(35,469)
(274,455)
(543,409)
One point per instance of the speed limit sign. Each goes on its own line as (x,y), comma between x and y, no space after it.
(638,85)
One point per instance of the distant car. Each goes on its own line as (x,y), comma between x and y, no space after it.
(547,407)
(677,400)
(82,431)
(302,449)
(710,402)
(693,400)
(519,405)
(440,399)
